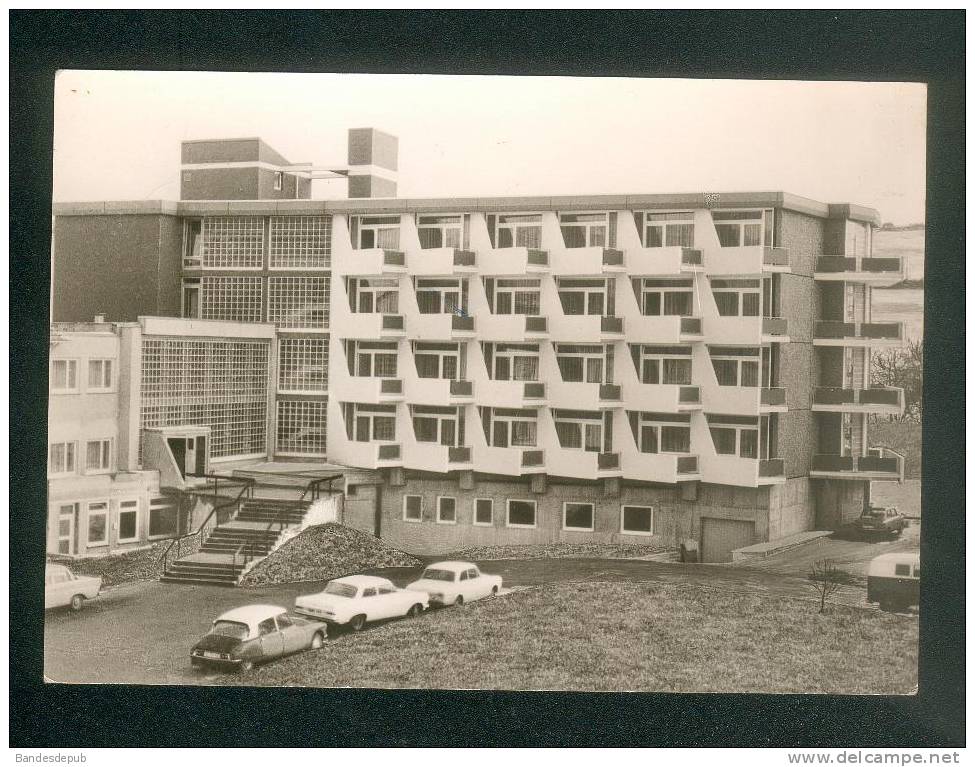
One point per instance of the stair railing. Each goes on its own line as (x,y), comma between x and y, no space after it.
(213,518)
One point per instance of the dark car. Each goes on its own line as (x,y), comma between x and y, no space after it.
(876,521)
(243,637)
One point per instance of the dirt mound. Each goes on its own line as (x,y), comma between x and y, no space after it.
(558,551)
(325,551)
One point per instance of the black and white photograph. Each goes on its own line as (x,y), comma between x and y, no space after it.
(485,383)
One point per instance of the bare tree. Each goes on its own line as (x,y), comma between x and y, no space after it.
(827,578)
(902,368)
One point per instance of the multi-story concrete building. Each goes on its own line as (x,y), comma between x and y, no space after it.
(616,368)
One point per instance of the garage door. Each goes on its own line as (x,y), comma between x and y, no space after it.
(719,537)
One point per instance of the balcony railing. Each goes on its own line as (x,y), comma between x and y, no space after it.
(392,322)
(464,258)
(689,395)
(830,395)
(532,458)
(534,390)
(460,388)
(389,452)
(612,257)
(690,325)
(775,257)
(879,461)
(773,397)
(394,258)
(458,455)
(608,461)
(610,392)
(611,324)
(771,467)
(536,324)
(853,265)
(537,257)
(390,386)
(690,257)
(465,324)
(687,464)
(775,326)
(836,329)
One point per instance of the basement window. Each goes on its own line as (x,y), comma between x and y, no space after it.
(446,510)
(412,508)
(577,516)
(636,520)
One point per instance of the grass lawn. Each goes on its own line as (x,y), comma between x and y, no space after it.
(621,636)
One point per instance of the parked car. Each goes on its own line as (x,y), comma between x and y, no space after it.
(245,636)
(453,583)
(62,587)
(894,580)
(357,599)
(877,521)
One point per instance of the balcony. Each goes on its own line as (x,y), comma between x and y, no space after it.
(583,464)
(511,327)
(368,455)
(533,461)
(586,328)
(371,326)
(511,262)
(433,457)
(498,460)
(857,334)
(737,330)
(580,262)
(879,272)
(880,463)
(667,468)
(751,260)
(664,262)
(437,391)
(772,400)
(512,394)
(577,395)
(742,472)
(431,262)
(369,262)
(366,389)
(658,329)
(440,327)
(884,400)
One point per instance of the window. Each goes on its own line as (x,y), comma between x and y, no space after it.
(412,508)
(266,627)
(902,571)
(61,458)
(300,242)
(735,298)
(98,524)
(746,228)
(446,510)
(577,516)
(376,232)
(661,432)
(636,520)
(163,517)
(666,229)
(521,513)
(303,365)
(580,230)
(583,430)
(233,242)
(443,231)
(669,365)
(671,298)
(587,296)
(442,425)
(301,427)
(441,296)
(64,375)
(735,366)
(191,299)
(734,435)
(278,181)
(99,374)
(369,592)
(298,302)
(511,296)
(284,621)
(237,299)
(373,295)
(193,244)
(128,518)
(67,517)
(483,511)
(516,230)
(585,363)
(98,455)
(372,358)
(370,423)
(509,427)
(440,360)
(512,362)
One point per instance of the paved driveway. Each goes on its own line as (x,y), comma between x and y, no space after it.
(142,633)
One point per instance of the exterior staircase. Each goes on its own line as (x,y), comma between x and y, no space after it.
(251,534)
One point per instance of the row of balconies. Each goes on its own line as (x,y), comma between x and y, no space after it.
(880,463)
(854,334)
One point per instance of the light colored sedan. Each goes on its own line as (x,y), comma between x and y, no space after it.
(62,587)
(453,583)
(357,599)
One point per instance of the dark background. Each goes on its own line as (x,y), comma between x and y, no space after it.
(809,45)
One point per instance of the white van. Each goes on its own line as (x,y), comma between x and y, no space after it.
(893,580)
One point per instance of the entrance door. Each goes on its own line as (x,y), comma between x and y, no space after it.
(177,446)
(66,527)
(201,455)
(128,521)
(720,537)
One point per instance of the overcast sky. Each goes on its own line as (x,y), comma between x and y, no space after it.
(117,134)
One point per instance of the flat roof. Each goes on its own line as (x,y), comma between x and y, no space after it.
(716,200)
